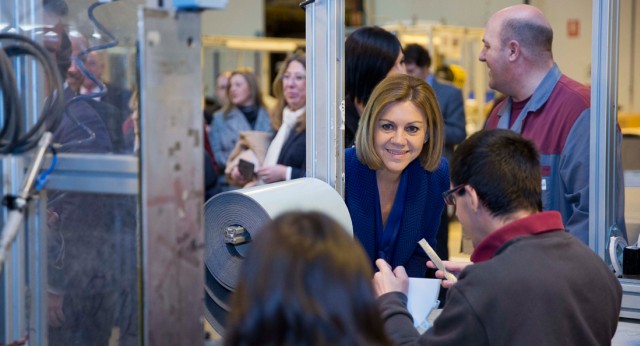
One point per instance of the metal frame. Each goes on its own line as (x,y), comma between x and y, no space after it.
(95,173)
(15,267)
(172,189)
(604,77)
(23,294)
(325,76)
(181,298)
(604,95)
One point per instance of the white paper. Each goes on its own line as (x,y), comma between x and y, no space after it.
(422,299)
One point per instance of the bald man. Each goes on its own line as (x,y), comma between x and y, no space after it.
(547,107)
(115,95)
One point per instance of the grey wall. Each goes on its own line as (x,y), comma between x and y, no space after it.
(239,18)
(472,13)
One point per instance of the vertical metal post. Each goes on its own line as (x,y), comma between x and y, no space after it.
(602,179)
(604,96)
(37,263)
(23,288)
(172,177)
(15,266)
(325,75)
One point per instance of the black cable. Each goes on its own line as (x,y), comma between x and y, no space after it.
(12,141)
(11,100)
(31,137)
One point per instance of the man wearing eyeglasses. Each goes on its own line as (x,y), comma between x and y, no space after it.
(531,283)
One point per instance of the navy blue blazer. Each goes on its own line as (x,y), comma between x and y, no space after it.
(420,219)
(452,109)
(294,153)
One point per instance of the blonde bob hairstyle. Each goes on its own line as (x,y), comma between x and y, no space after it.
(392,90)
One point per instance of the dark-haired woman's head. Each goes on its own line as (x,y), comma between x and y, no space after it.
(371,53)
(305,281)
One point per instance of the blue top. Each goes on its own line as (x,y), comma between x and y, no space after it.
(386,239)
(419,215)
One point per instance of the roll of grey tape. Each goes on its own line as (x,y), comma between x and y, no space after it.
(252,208)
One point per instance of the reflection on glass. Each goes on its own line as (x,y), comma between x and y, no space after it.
(98,75)
(92,246)
(92,286)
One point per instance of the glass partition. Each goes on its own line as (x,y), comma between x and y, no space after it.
(628,114)
(615,241)
(72,277)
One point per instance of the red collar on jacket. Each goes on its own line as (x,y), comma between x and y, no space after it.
(534,224)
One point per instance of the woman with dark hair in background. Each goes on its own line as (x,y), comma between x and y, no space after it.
(371,54)
(305,281)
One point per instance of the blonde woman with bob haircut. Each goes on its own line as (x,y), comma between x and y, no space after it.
(395,175)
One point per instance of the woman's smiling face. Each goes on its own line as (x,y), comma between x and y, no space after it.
(399,135)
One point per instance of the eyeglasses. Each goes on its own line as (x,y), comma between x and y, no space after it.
(296,78)
(449,195)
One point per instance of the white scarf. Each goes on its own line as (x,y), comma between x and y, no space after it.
(289,119)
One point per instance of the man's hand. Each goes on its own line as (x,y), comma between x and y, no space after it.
(54,309)
(386,280)
(452,267)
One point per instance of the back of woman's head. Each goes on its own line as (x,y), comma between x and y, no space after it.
(305,281)
(370,53)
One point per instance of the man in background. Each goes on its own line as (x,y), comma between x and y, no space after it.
(115,95)
(418,61)
(112,116)
(547,107)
